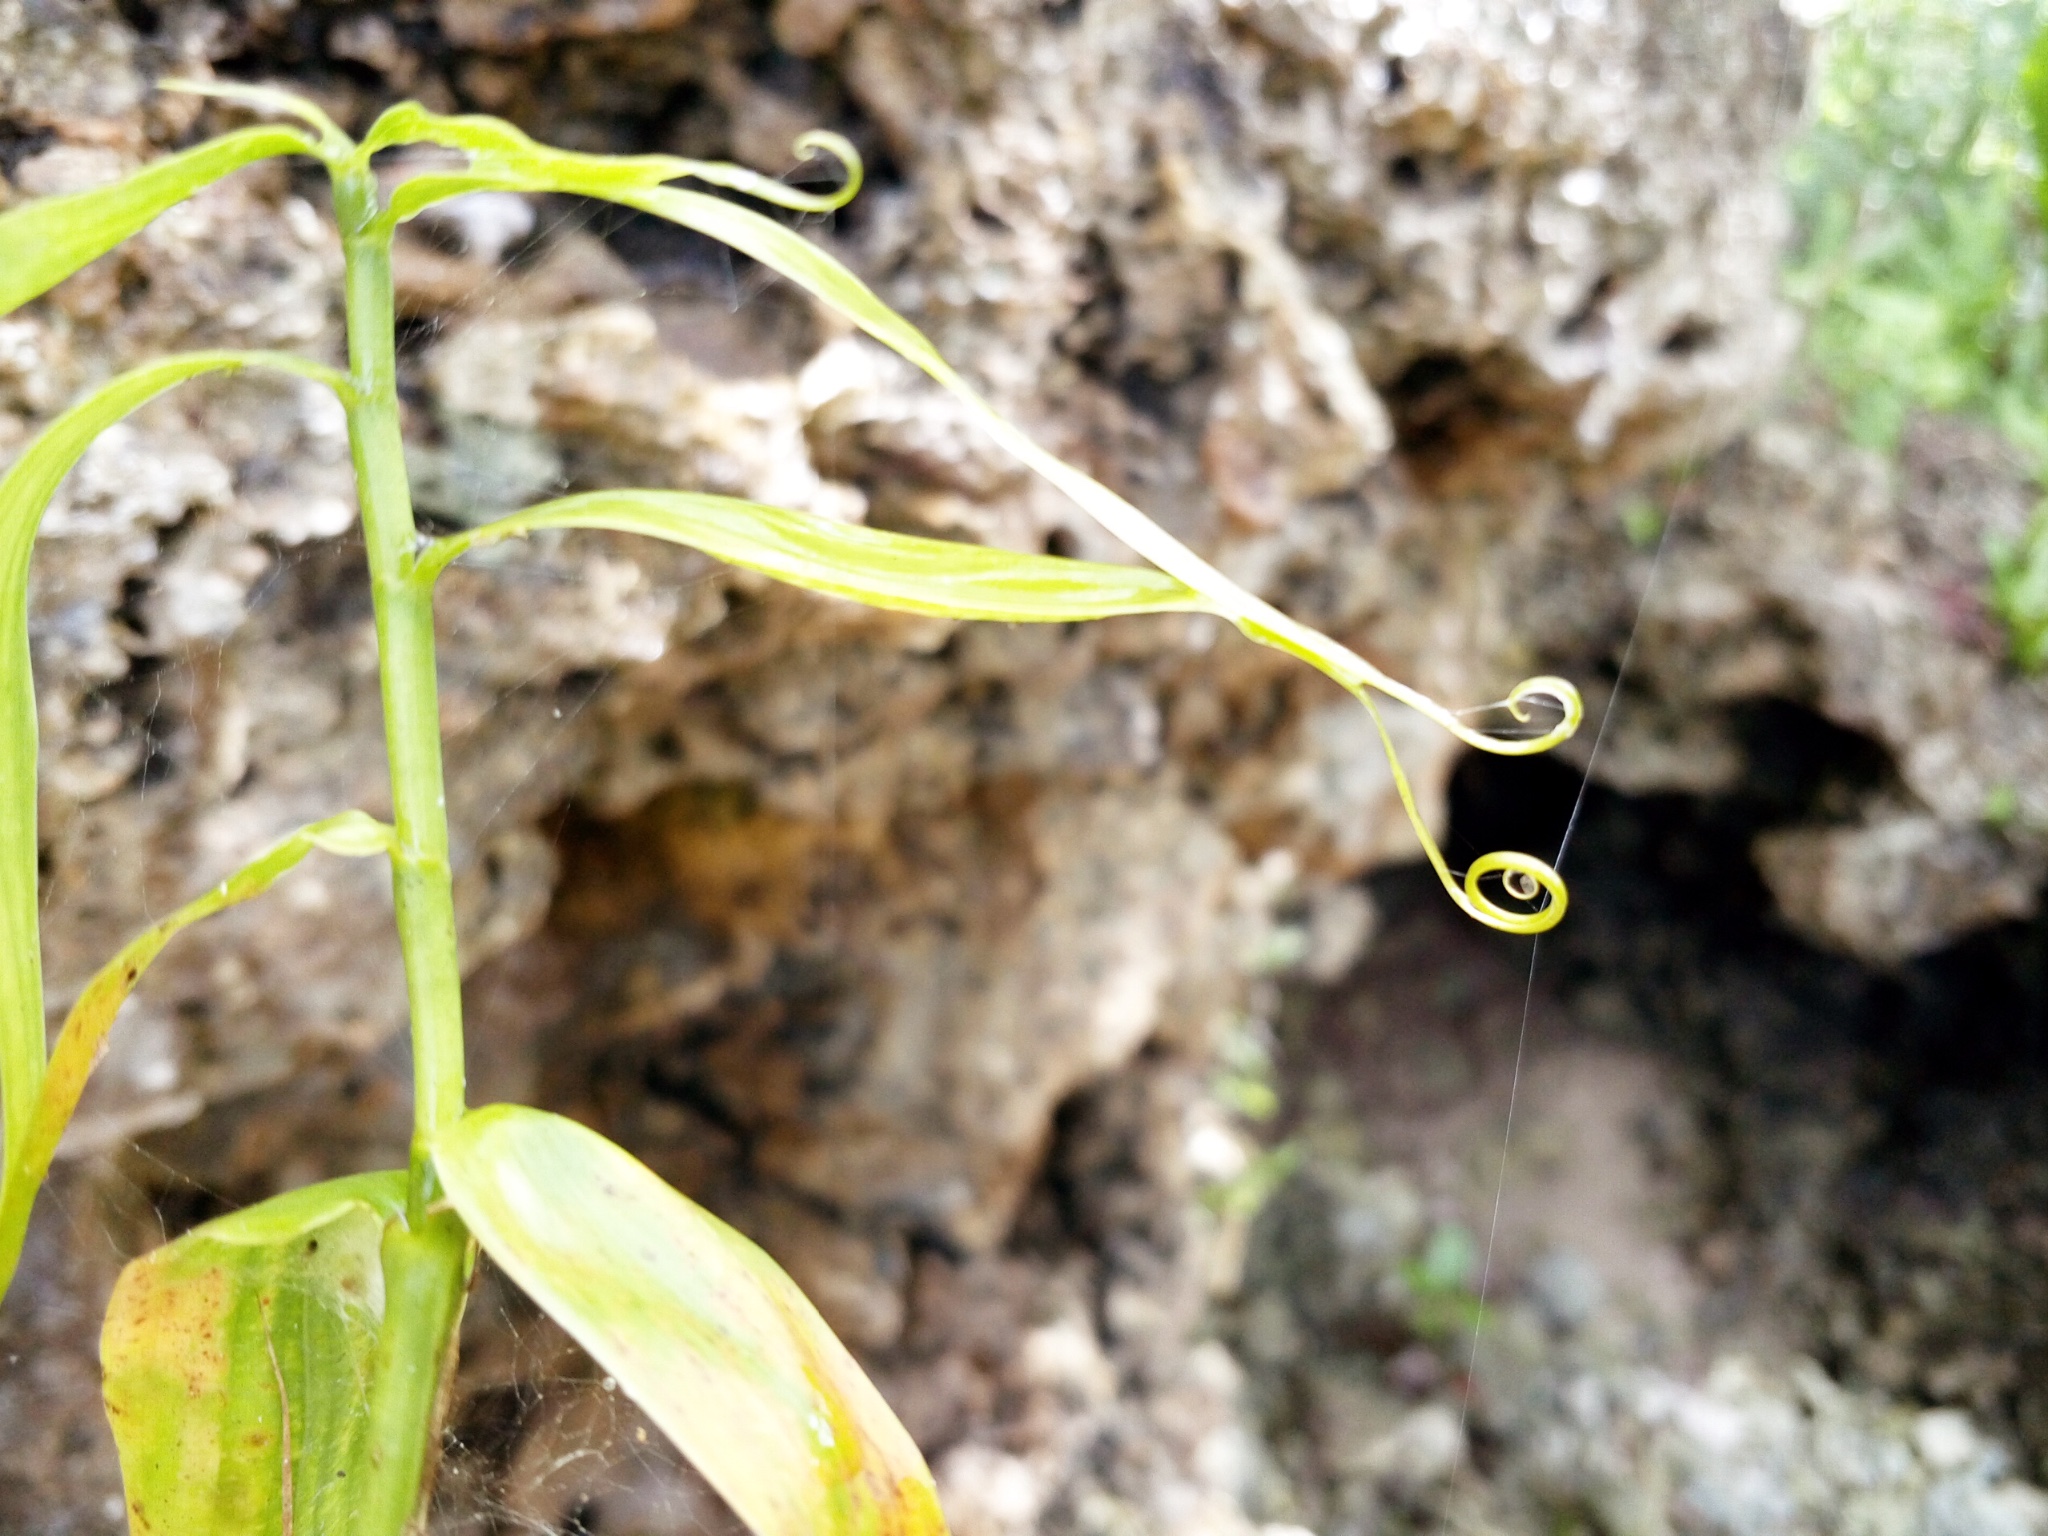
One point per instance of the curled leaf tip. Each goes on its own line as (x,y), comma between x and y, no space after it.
(1536,888)
(822,141)
(1561,695)
(1524,879)
(1523,699)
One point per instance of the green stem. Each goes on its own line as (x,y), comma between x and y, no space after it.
(426,1257)
(422,885)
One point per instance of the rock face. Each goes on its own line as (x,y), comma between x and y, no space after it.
(911,945)
(1800,569)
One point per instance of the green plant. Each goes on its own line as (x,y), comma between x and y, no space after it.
(1442,1305)
(1920,254)
(2019,570)
(1911,189)
(282,1369)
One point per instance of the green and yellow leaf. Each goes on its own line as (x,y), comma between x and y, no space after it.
(501,158)
(25,493)
(867,565)
(515,163)
(238,1362)
(699,1326)
(84,1036)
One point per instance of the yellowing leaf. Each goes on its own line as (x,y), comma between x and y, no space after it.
(868,565)
(24,494)
(45,241)
(789,254)
(700,1327)
(79,1046)
(238,1363)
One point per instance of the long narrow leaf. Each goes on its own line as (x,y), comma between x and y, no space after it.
(700,1327)
(84,1037)
(44,242)
(25,493)
(885,570)
(501,158)
(238,1362)
(784,251)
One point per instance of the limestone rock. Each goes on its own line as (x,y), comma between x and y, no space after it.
(1896,887)
(872,931)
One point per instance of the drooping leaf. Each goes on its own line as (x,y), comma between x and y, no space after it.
(868,565)
(45,241)
(515,163)
(25,492)
(699,1326)
(818,273)
(84,1037)
(238,1366)
(789,254)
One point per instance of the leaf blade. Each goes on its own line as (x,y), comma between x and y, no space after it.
(83,1038)
(699,1326)
(818,273)
(44,242)
(868,565)
(501,158)
(237,1362)
(25,492)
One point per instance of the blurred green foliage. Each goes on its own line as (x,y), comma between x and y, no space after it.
(1919,253)
(1442,1305)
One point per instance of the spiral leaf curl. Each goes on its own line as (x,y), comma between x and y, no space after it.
(1518,871)
(501,157)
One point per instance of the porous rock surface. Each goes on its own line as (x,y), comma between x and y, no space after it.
(1799,568)
(908,945)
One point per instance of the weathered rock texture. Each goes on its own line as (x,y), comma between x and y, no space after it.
(1799,569)
(906,944)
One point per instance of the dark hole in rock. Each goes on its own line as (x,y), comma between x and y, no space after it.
(416,333)
(1438,403)
(1405,171)
(19,143)
(184,1206)
(662,254)
(1690,336)
(144,17)
(1895,1119)
(1431,388)
(1587,318)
